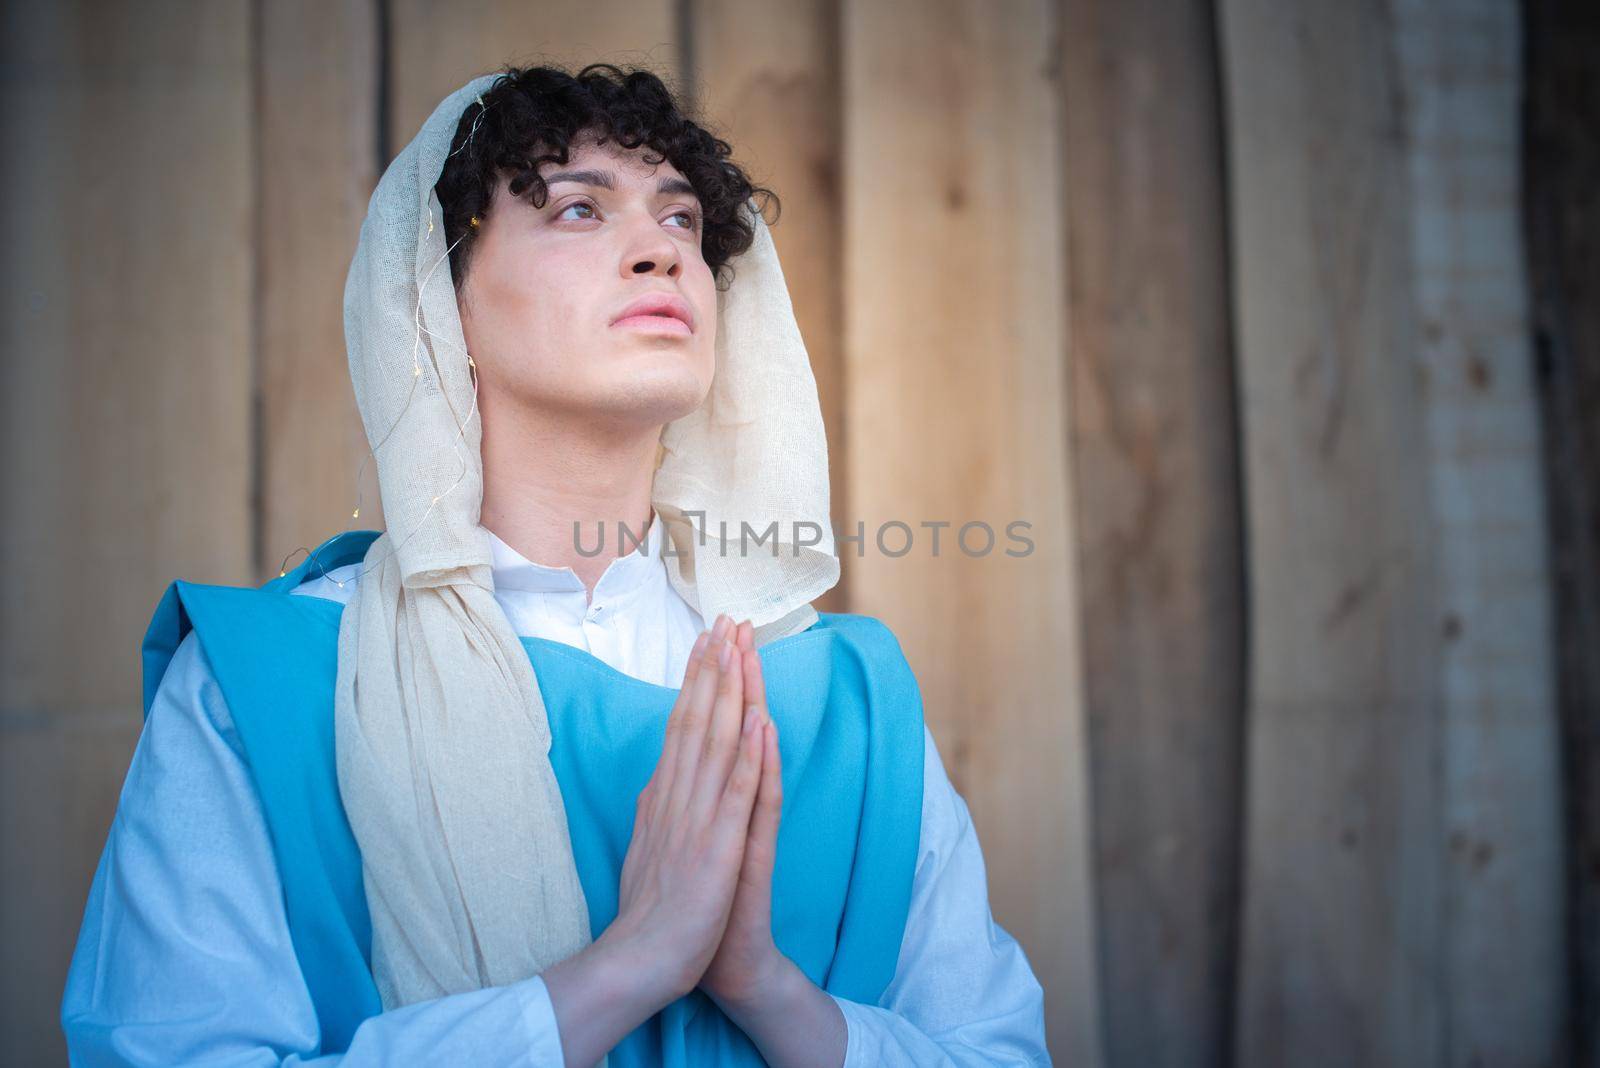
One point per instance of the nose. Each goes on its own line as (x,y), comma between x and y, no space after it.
(649,251)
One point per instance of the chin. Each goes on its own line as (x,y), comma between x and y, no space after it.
(654,396)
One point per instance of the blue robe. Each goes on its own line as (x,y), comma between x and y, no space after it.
(850,725)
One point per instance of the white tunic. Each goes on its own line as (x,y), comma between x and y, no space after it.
(185,955)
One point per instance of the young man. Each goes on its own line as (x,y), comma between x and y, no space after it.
(383,806)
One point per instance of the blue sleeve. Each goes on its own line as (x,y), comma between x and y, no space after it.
(963,993)
(184,954)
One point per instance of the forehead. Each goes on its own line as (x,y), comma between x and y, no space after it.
(629,164)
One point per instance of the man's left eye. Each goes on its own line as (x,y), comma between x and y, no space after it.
(689,215)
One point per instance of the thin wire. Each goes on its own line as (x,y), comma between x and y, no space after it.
(416,373)
(477,119)
(461,426)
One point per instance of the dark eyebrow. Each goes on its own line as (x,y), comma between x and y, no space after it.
(606,180)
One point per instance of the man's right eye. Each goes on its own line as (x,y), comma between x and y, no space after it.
(575,204)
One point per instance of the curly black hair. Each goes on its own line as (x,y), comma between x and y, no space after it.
(530,116)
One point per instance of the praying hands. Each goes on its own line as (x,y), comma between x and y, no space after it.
(695,901)
(748,959)
(787,1016)
(697,879)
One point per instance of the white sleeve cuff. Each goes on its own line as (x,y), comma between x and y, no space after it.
(852,1031)
(540,1031)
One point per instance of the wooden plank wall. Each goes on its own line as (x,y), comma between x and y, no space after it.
(1341,953)
(1499,787)
(1224,299)
(1402,889)
(956,412)
(1155,448)
(128,191)
(313,59)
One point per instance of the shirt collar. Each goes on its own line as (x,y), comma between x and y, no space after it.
(625,574)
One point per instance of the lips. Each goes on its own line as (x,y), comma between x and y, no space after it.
(658,305)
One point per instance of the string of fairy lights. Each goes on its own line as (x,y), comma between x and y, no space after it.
(416,373)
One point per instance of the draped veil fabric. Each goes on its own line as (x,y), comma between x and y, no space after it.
(442,739)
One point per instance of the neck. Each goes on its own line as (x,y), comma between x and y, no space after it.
(543,475)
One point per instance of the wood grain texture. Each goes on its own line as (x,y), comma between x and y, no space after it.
(127,337)
(318,138)
(1341,953)
(766,80)
(956,399)
(126,386)
(1156,465)
(1501,910)
(438,47)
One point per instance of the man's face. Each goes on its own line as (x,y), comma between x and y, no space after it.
(546,289)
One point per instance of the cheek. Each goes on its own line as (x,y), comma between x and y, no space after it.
(699,286)
(710,307)
(529,314)
(529,286)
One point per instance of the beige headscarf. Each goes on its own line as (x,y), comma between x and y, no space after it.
(442,738)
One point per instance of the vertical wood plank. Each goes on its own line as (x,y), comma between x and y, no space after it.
(1501,909)
(126,388)
(1341,952)
(437,48)
(1156,464)
(318,164)
(766,80)
(1561,160)
(956,403)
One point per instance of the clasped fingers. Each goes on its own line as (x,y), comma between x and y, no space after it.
(720,744)
(700,743)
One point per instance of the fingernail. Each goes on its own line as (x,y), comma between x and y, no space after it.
(700,644)
(725,657)
(721,626)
